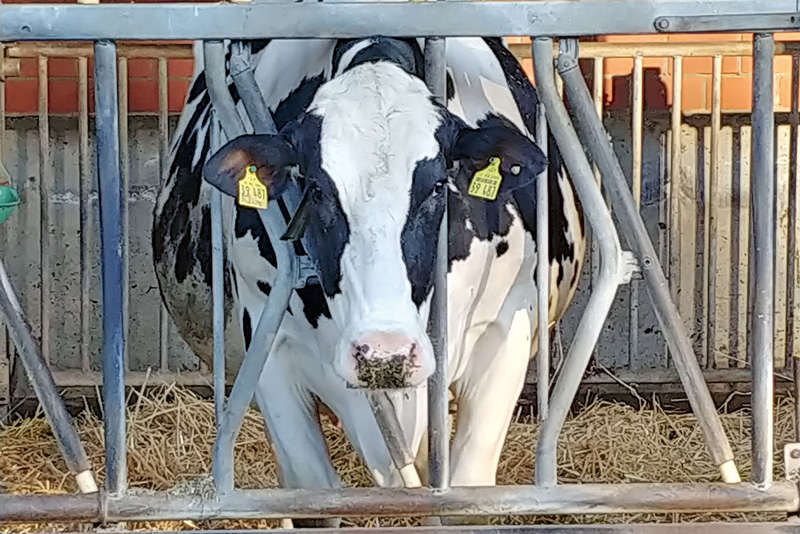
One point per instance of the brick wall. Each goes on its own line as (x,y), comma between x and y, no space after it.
(22,92)
(736,89)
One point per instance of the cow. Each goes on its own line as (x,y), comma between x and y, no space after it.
(360,131)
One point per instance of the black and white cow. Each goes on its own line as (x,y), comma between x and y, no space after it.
(358,125)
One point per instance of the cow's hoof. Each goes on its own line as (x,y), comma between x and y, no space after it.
(316,523)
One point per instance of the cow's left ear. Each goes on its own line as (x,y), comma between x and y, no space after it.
(494,159)
(252,168)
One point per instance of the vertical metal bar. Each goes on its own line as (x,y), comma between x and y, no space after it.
(438,400)
(44,207)
(163,153)
(791,274)
(675,180)
(599,217)
(632,226)
(125,167)
(637,113)
(217,287)
(597,96)
(264,336)
(84,189)
(763,271)
(710,241)
(111,244)
(250,94)
(542,273)
(6,348)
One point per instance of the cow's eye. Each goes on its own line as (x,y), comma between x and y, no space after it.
(439,186)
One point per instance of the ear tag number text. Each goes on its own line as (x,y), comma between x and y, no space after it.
(252,193)
(486,182)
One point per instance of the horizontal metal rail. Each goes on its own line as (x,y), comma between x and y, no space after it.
(498,500)
(636,528)
(45,22)
(588,50)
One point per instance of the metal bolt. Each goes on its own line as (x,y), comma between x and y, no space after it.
(662,23)
(795,454)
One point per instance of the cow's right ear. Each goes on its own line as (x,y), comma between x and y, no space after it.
(268,158)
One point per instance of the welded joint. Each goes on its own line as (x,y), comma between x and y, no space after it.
(567,58)
(791,461)
(239,61)
(629,268)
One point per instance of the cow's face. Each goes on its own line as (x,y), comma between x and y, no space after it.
(376,156)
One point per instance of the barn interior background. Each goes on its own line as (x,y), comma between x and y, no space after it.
(694,200)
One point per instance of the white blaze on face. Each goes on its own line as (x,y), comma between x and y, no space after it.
(378,122)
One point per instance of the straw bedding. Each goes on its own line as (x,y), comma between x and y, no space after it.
(171,432)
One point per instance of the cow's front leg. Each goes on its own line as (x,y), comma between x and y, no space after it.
(487,394)
(290,413)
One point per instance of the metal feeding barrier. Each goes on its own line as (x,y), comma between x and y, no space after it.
(437,21)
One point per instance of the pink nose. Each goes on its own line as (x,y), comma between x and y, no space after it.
(385,360)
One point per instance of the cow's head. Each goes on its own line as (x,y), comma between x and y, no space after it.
(376,156)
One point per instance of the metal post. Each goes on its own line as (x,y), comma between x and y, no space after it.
(762,208)
(596,139)
(111,197)
(387,502)
(610,274)
(217,284)
(542,274)
(438,399)
(41,379)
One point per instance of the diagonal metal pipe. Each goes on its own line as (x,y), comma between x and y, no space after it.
(596,138)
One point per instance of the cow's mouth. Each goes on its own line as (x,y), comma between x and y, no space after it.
(390,372)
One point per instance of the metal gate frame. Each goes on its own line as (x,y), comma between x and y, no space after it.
(542,21)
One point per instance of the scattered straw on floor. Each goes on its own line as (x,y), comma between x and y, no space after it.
(171,432)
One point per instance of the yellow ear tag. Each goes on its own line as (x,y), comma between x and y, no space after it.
(486,182)
(252,193)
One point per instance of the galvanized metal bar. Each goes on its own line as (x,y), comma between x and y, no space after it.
(125,170)
(266,330)
(594,528)
(328,20)
(673,183)
(762,209)
(256,356)
(542,274)
(6,348)
(710,223)
(229,118)
(252,99)
(791,238)
(112,266)
(589,50)
(163,153)
(791,269)
(75,378)
(597,95)
(438,383)
(217,283)
(392,432)
(596,139)
(45,165)
(85,172)
(757,22)
(637,119)
(353,502)
(610,269)
(41,379)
